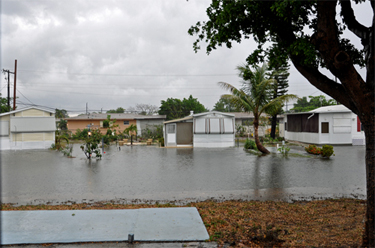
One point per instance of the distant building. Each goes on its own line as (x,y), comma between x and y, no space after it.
(326,125)
(210,129)
(123,120)
(246,119)
(27,128)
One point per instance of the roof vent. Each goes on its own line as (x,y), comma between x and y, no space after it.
(191,112)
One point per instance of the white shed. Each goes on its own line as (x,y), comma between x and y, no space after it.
(326,125)
(27,128)
(210,129)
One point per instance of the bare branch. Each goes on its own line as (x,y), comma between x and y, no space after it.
(352,23)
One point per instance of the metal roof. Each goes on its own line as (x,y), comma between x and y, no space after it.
(332,108)
(27,108)
(117,116)
(179,120)
(326,109)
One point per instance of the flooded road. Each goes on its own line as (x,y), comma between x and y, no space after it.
(149,173)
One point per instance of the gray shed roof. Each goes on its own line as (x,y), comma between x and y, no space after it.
(27,108)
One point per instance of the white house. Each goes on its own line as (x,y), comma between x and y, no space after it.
(27,128)
(326,125)
(210,129)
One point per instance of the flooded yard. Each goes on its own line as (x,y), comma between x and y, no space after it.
(149,173)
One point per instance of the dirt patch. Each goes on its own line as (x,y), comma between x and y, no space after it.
(262,224)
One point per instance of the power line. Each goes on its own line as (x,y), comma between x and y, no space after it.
(131,75)
(24,96)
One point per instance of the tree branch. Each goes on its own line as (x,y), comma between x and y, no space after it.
(323,83)
(353,25)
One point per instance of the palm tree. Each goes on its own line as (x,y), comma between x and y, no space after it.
(255,96)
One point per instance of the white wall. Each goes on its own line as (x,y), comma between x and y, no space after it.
(302,137)
(340,126)
(6,144)
(213,140)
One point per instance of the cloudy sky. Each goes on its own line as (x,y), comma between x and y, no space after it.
(117,53)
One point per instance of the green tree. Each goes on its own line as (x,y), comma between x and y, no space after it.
(225,105)
(172,108)
(304,105)
(61,113)
(91,145)
(4,104)
(311,35)
(175,108)
(254,96)
(119,110)
(62,124)
(280,74)
(192,104)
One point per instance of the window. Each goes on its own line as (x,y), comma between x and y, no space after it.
(171,129)
(325,127)
(126,122)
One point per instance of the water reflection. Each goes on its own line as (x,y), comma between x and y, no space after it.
(153,173)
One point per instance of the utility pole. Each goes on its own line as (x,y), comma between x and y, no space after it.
(8,77)
(14,85)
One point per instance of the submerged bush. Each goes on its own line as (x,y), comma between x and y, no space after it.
(250,144)
(327,151)
(313,149)
(284,150)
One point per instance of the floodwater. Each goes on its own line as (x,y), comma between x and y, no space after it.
(150,174)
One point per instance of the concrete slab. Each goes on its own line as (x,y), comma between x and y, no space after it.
(68,226)
(169,224)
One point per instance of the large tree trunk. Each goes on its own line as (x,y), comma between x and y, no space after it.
(369,234)
(273,126)
(260,147)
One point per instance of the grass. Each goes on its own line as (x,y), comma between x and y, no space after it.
(262,224)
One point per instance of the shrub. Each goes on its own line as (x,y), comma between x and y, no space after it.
(327,151)
(284,150)
(250,144)
(313,149)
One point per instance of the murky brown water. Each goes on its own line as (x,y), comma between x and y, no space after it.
(155,174)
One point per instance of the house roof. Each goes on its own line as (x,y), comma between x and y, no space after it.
(117,116)
(198,115)
(27,108)
(214,112)
(326,109)
(333,108)
(246,115)
(179,120)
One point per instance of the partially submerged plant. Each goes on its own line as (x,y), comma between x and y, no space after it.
(284,150)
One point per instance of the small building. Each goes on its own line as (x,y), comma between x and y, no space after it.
(123,120)
(210,129)
(334,125)
(27,128)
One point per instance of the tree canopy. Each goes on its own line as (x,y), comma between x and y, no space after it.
(61,113)
(280,74)
(174,108)
(310,34)
(4,105)
(119,110)
(225,105)
(304,105)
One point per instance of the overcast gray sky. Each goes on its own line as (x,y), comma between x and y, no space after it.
(116,53)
